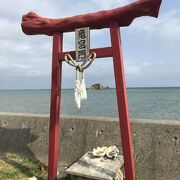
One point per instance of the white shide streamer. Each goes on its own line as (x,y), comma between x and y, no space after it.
(80,88)
(83,87)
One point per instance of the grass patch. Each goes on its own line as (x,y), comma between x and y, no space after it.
(15,167)
(139,178)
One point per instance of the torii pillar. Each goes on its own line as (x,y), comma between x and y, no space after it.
(33,24)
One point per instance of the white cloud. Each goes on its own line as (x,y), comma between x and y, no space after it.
(13,10)
(107,4)
(136,68)
(29,57)
(132,69)
(167,26)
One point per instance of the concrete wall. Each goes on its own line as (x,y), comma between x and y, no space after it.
(156,142)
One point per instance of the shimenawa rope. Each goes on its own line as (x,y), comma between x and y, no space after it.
(80,86)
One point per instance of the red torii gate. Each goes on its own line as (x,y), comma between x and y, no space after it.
(33,24)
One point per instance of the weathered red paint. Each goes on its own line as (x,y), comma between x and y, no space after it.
(33,24)
(55,107)
(100,53)
(124,119)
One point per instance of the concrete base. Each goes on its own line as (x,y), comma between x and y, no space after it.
(156,143)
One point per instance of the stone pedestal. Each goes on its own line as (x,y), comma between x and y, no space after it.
(89,167)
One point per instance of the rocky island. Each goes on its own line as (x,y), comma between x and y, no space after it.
(98,86)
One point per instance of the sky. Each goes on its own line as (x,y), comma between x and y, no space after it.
(151,47)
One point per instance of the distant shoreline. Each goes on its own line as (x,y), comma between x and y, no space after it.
(103,89)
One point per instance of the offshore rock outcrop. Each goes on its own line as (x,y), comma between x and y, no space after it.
(98,86)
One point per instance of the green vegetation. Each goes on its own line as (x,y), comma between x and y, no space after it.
(139,178)
(15,167)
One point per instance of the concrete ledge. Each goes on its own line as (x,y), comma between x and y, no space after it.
(156,142)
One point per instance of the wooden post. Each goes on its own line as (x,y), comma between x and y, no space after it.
(55,107)
(124,119)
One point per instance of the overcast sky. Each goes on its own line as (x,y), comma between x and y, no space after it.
(151,47)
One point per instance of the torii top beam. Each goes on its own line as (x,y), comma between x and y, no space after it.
(32,24)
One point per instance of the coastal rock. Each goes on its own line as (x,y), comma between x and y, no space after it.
(99,152)
(32,178)
(98,86)
(111,152)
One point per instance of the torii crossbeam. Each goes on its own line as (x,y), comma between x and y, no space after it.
(33,24)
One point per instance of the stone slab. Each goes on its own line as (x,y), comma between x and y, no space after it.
(96,168)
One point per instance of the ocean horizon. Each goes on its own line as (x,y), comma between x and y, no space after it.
(143,102)
(141,87)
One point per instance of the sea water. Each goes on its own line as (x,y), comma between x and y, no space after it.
(144,103)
